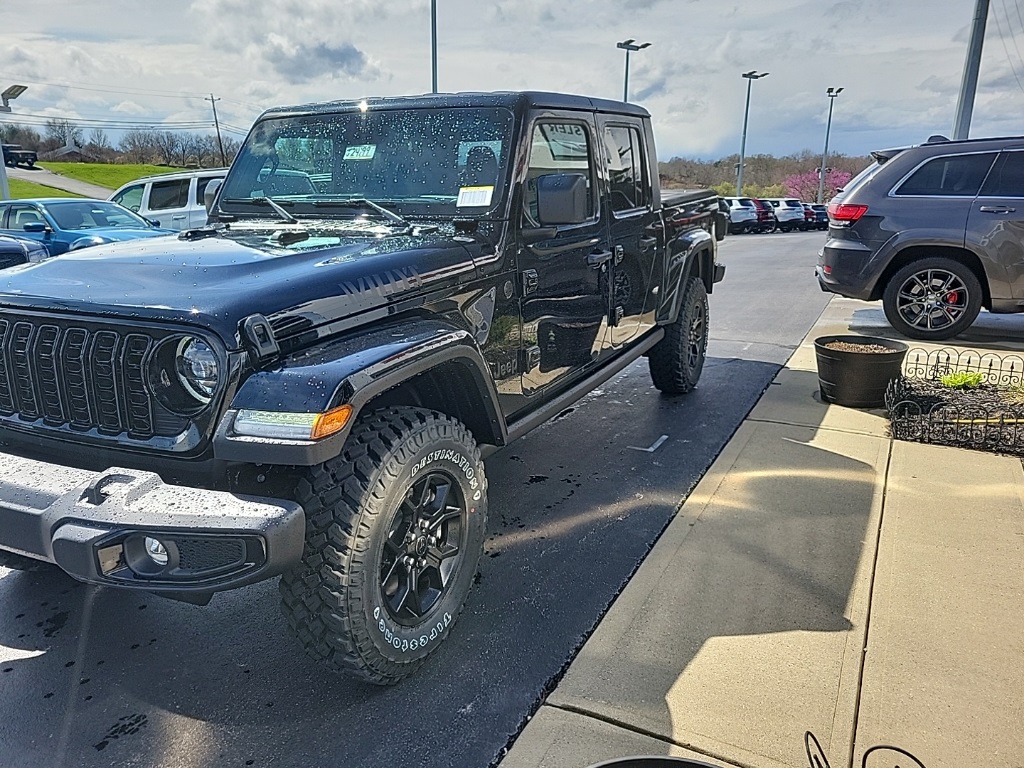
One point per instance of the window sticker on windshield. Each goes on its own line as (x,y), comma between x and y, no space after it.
(360,152)
(474,197)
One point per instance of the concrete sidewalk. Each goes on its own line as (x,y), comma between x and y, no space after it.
(39,175)
(820,577)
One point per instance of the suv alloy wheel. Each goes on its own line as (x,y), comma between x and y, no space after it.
(932,299)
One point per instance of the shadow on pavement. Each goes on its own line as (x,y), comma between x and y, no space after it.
(98,677)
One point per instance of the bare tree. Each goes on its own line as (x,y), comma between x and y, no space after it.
(167,143)
(137,146)
(61,132)
(187,145)
(12,133)
(98,139)
(231,147)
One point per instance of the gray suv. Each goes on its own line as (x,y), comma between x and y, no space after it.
(935,231)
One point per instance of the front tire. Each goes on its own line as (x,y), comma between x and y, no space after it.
(932,299)
(677,360)
(395,527)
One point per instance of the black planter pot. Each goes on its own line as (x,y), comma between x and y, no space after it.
(857,379)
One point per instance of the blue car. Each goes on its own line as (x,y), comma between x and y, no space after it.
(65,224)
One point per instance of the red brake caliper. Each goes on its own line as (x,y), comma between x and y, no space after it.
(953,298)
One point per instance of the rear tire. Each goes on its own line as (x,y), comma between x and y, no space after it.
(677,360)
(395,527)
(932,299)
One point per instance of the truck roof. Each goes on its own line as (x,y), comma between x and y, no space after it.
(513,100)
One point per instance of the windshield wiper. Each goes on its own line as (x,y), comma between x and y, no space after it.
(362,202)
(266,201)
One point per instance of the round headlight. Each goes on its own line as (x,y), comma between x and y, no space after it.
(197,368)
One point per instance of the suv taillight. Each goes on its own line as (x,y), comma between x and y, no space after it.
(846,213)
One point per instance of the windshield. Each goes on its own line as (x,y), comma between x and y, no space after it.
(415,161)
(92,214)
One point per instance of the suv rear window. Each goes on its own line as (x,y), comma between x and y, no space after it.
(957,176)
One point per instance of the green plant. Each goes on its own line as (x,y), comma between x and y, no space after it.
(963,379)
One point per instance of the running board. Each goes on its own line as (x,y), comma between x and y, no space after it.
(560,402)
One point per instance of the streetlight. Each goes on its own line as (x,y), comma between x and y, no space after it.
(751,76)
(627,46)
(7,96)
(12,92)
(832,93)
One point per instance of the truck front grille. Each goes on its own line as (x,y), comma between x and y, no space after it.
(84,376)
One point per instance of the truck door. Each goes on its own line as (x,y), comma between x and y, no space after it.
(634,227)
(995,224)
(563,277)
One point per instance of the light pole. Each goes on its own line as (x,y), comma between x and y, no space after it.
(7,96)
(627,46)
(751,76)
(433,46)
(969,83)
(832,93)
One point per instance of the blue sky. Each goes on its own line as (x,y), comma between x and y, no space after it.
(899,61)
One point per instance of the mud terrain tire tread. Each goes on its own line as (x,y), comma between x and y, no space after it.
(670,370)
(344,501)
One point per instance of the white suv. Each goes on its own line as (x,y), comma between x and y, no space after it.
(175,200)
(788,211)
(742,214)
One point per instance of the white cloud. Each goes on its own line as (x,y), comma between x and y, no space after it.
(900,62)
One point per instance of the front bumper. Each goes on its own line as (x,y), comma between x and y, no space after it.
(95,525)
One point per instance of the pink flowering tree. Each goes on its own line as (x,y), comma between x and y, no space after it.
(805,185)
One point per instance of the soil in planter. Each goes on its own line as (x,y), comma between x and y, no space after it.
(871,349)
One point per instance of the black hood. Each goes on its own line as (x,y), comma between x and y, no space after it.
(275,270)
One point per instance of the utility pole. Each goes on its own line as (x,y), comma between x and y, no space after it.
(433,45)
(216,124)
(832,93)
(969,83)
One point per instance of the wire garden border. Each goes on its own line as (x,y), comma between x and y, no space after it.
(989,417)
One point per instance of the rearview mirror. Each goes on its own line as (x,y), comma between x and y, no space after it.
(210,194)
(561,198)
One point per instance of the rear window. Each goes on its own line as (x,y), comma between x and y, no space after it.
(795,203)
(956,176)
(861,178)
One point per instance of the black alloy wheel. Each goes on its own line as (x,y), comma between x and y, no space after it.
(932,299)
(395,526)
(423,548)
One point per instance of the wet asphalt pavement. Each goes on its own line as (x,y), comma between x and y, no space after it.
(93,677)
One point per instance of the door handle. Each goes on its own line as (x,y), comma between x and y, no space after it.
(647,242)
(996,209)
(598,259)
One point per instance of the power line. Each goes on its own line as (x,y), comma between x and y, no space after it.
(1013,35)
(126,91)
(1002,38)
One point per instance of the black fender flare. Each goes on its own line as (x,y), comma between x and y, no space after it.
(682,251)
(352,371)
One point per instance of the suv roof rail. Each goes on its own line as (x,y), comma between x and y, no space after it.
(936,138)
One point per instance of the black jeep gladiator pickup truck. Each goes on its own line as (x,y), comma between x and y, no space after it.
(387,291)
(15,155)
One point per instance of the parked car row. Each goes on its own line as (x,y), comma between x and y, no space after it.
(785,214)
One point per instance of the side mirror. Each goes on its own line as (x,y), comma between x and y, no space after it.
(561,199)
(210,194)
(36,226)
(152,222)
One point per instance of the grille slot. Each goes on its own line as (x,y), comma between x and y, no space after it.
(83,376)
(209,554)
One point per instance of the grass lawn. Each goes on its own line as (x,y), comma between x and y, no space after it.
(23,190)
(109,175)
